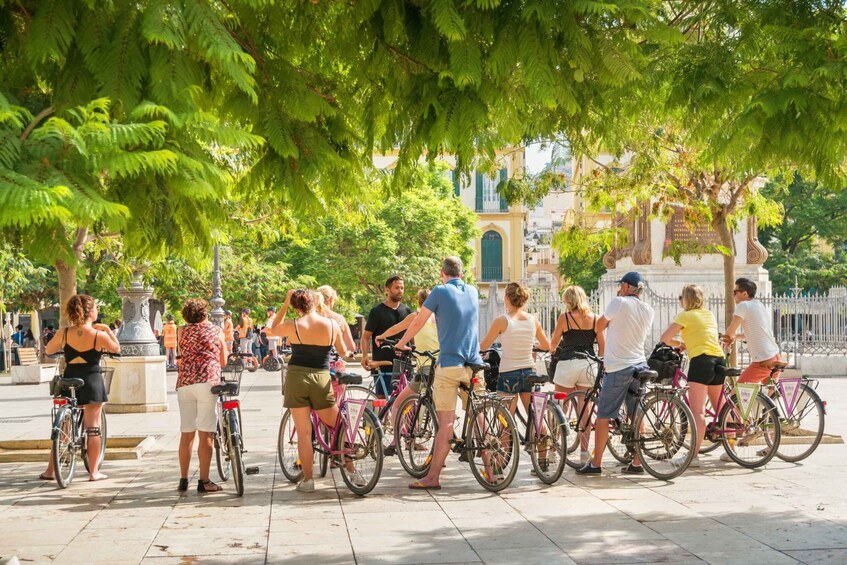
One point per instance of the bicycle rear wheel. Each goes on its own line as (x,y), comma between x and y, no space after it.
(666,444)
(103,436)
(361,459)
(289,458)
(63,450)
(323,455)
(220,455)
(493,446)
(548,449)
(802,429)
(752,441)
(234,449)
(357,392)
(580,422)
(414,436)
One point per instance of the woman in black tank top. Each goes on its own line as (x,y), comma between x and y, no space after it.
(308,385)
(83,343)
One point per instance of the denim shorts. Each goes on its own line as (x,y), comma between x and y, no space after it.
(617,387)
(382,383)
(514,382)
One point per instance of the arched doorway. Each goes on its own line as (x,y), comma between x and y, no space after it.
(492,256)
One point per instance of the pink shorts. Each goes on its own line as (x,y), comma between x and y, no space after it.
(758,371)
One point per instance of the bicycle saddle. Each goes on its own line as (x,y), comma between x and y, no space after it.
(71,383)
(777,365)
(532,380)
(476,367)
(728,371)
(348,379)
(229,389)
(646,375)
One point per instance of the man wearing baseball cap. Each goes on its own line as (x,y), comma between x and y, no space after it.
(628,320)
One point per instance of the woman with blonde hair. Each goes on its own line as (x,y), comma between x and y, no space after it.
(84,342)
(699,331)
(575,332)
(329,297)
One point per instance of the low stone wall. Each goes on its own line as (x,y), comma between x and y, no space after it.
(822,365)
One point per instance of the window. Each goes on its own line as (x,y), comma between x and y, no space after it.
(492,256)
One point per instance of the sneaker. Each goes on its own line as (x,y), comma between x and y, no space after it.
(584,457)
(545,466)
(306,486)
(357,479)
(725,457)
(680,461)
(633,470)
(589,469)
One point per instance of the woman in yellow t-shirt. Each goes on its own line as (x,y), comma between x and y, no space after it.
(699,331)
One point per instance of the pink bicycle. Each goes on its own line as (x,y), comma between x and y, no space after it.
(355,442)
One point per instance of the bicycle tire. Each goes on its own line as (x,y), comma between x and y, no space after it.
(799,415)
(103,438)
(766,417)
(234,449)
(553,439)
(366,448)
(357,391)
(385,421)
(616,445)
(417,424)
(668,430)
(63,449)
(323,455)
(503,444)
(220,455)
(579,424)
(286,449)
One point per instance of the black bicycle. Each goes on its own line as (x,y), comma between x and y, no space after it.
(228,440)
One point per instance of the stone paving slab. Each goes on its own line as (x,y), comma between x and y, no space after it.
(719,513)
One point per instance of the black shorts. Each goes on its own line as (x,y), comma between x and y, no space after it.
(701,370)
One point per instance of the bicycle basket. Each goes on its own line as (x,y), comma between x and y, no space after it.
(108,373)
(665,360)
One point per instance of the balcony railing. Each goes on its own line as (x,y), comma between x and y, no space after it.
(489,206)
(491,274)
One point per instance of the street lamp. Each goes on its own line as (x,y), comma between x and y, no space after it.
(217,313)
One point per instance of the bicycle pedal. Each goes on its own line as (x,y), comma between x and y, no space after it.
(251,470)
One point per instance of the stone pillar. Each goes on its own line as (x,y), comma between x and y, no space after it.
(140,380)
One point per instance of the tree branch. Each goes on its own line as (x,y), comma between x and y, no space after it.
(35,121)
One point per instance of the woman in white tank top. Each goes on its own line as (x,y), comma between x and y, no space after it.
(517,331)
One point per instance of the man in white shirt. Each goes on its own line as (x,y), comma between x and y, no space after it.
(628,320)
(757,321)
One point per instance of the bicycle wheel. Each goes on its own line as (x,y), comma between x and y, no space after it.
(616,445)
(548,449)
(220,455)
(493,446)
(102,442)
(580,424)
(665,435)
(323,455)
(63,450)
(387,422)
(361,460)
(802,429)
(233,443)
(417,426)
(753,441)
(289,458)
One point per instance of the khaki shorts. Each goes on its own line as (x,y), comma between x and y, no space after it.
(197,408)
(307,388)
(445,389)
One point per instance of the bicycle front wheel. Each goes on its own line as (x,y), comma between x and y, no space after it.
(548,445)
(493,446)
(802,428)
(580,413)
(414,436)
(220,455)
(103,436)
(665,435)
(234,449)
(752,441)
(361,458)
(63,450)
(289,457)
(616,445)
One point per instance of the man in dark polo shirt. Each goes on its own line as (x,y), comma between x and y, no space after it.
(382,317)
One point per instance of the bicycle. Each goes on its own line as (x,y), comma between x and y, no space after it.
(489,433)
(416,424)
(355,441)
(659,430)
(802,414)
(228,439)
(67,435)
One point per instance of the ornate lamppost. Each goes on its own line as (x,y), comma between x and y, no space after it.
(217,313)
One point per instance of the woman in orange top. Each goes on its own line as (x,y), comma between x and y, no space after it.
(169,338)
(229,336)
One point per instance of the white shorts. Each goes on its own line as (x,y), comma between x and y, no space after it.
(574,372)
(273,343)
(197,408)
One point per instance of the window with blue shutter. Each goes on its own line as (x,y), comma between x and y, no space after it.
(457,182)
(492,256)
(504,205)
(478,191)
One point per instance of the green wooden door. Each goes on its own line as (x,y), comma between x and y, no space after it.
(492,256)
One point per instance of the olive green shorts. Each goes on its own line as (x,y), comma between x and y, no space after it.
(307,388)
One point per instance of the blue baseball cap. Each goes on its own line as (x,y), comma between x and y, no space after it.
(633,278)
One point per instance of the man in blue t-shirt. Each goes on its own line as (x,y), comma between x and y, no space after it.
(456,308)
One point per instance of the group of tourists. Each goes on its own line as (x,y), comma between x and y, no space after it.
(446,320)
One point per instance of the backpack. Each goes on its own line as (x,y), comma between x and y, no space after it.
(665,360)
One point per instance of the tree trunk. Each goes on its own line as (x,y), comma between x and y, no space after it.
(67,288)
(721,227)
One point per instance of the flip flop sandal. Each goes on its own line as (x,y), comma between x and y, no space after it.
(417,485)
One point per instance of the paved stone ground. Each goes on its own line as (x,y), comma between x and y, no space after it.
(720,513)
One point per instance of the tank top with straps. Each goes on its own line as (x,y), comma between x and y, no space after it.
(90,356)
(311,356)
(576,339)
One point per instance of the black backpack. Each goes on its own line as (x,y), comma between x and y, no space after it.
(665,360)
